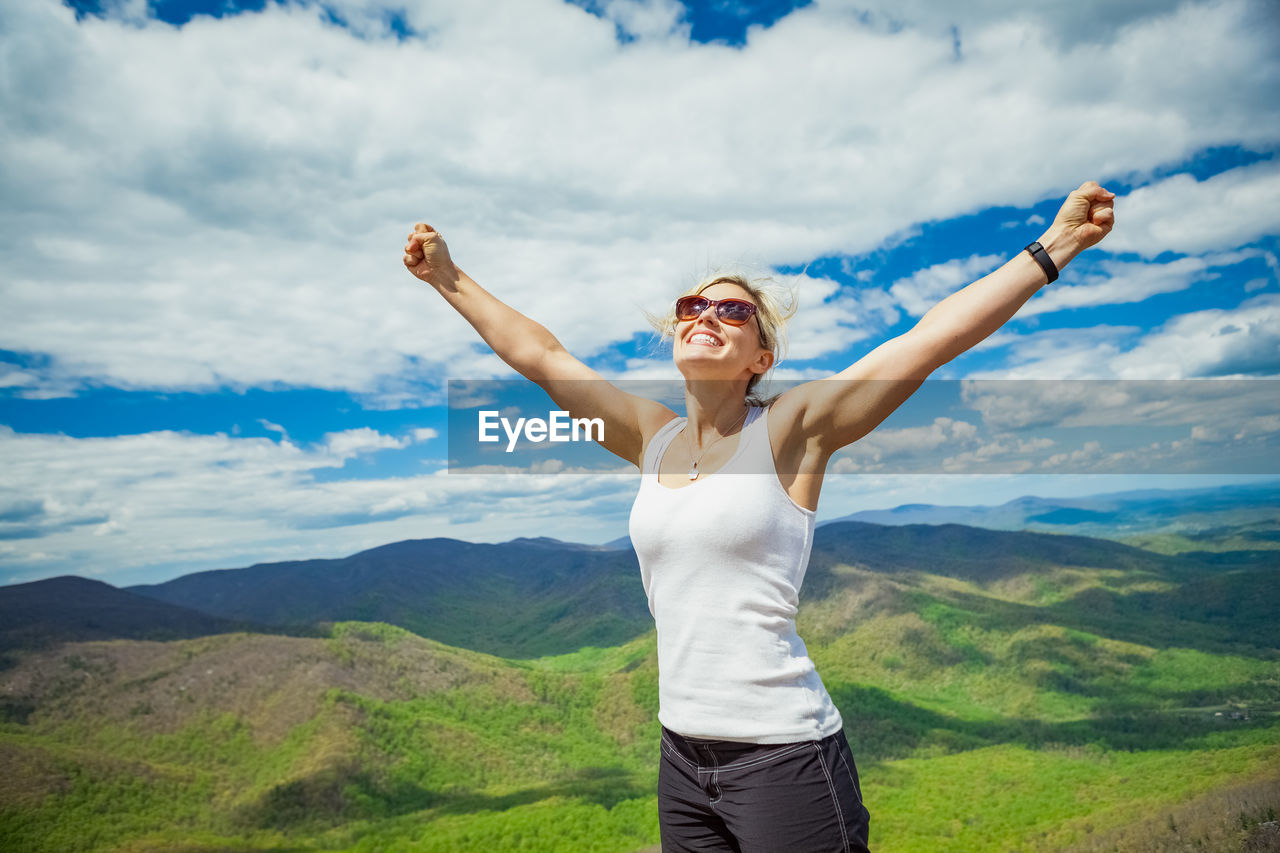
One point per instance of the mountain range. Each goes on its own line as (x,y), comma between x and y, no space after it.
(532,597)
(447,696)
(1204,515)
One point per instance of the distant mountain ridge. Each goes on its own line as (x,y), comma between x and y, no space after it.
(1111,515)
(517,598)
(978,554)
(539,596)
(527,598)
(72,609)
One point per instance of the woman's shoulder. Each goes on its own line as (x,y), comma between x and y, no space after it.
(658,426)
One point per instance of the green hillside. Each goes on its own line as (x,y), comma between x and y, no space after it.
(1063,709)
(529,598)
(523,598)
(246,741)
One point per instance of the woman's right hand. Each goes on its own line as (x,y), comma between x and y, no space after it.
(427,257)
(534,352)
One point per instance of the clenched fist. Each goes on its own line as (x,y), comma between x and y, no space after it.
(1086,216)
(427,257)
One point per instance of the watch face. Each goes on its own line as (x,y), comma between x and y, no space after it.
(1042,258)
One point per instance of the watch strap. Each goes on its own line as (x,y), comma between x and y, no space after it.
(1042,258)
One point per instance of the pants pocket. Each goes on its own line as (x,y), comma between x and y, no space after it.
(845,778)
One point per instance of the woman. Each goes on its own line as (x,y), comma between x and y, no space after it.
(754,756)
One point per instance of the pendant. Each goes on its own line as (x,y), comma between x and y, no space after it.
(693,471)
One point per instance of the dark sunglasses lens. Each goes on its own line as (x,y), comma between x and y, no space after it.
(689,307)
(736,312)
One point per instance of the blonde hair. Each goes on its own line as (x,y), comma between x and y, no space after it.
(775,303)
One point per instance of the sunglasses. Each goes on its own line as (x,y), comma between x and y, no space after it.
(735,312)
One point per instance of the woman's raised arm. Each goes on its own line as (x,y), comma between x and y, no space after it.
(533,352)
(838,411)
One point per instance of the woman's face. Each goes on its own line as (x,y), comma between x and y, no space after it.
(707,347)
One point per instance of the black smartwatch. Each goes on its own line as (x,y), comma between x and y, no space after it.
(1042,258)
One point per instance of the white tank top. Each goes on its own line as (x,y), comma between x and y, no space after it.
(722,561)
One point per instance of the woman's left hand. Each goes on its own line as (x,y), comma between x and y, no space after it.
(1085,217)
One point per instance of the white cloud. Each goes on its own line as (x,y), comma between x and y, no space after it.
(647,19)
(829,320)
(1084,426)
(1214,342)
(1211,408)
(1090,454)
(11,377)
(929,286)
(885,449)
(1244,341)
(223,203)
(1083,21)
(1181,214)
(1121,282)
(274,427)
(1067,353)
(354,442)
(141,508)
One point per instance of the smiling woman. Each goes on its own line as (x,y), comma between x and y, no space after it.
(753,751)
(765,300)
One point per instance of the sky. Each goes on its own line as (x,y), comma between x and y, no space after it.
(211,354)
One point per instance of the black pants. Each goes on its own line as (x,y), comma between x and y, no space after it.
(716,795)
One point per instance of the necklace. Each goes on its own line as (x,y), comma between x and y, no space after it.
(693,463)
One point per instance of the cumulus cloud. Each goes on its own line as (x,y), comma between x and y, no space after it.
(1181,214)
(1212,407)
(1004,453)
(142,508)
(1121,282)
(1213,342)
(11,377)
(646,19)
(355,442)
(1081,22)
(1209,426)
(1064,353)
(222,204)
(883,449)
(274,427)
(925,288)
(830,318)
(1218,342)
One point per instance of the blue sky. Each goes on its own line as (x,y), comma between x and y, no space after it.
(210,354)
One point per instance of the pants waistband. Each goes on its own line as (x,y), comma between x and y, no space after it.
(714,752)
